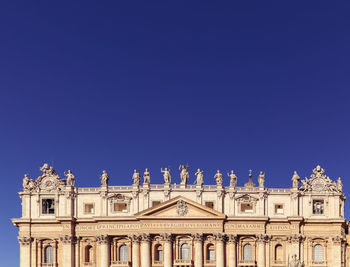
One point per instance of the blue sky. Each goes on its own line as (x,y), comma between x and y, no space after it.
(121,85)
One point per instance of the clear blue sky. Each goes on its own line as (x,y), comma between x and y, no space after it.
(120,85)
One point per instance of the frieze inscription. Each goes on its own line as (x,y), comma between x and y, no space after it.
(245,226)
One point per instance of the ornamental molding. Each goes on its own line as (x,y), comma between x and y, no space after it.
(262,238)
(320,182)
(24,240)
(220,236)
(102,239)
(337,239)
(232,239)
(197,237)
(166,237)
(296,238)
(135,238)
(118,198)
(66,239)
(246,198)
(146,237)
(181,208)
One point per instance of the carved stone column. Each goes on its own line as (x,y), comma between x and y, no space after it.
(231,250)
(67,250)
(337,242)
(145,250)
(77,251)
(220,255)
(198,248)
(295,245)
(168,259)
(135,250)
(25,244)
(261,239)
(103,241)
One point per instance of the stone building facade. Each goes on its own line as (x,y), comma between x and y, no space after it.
(180,225)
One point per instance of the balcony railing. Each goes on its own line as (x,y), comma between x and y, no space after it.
(246,263)
(183,262)
(120,264)
(48,264)
(210,262)
(89,264)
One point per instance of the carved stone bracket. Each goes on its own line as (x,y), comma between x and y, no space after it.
(199,192)
(220,193)
(197,237)
(337,240)
(232,194)
(102,239)
(295,238)
(145,237)
(135,238)
(24,241)
(262,238)
(166,192)
(67,239)
(135,193)
(232,238)
(166,237)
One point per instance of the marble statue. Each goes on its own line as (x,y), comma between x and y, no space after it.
(31,184)
(339,184)
(199,175)
(295,180)
(184,174)
(104,178)
(167,176)
(146,177)
(26,182)
(136,178)
(218,177)
(70,178)
(233,179)
(261,179)
(295,262)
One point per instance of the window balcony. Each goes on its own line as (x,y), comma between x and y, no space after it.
(89,264)
(210,263)
(180,262)
(120,264)
(48,264)
(246,263)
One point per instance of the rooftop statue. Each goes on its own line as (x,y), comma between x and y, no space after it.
(261,179)
(146,177)
(199,175)
(70,178)
(295,180)
(136,177)
(218,177)
(184,174)
(233,179)
(339,184)
(104,178)
(167,176)
(26,182)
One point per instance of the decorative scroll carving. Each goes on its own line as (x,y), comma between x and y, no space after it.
(319,181)
(66,239)
(232,238)
(181,208)
(337,239)
(102,239)
(220,193)
(294,238)
(166,237)
(24,241)
(119,198)
(145,237)
(135,238)
(262,238)
(219,236)
(197,237)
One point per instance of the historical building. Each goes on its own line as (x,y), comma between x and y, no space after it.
(180,225)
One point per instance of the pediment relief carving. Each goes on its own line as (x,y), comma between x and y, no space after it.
(246,199)
(118,198)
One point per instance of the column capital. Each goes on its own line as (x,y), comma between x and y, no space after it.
(219,236)
(166,237)
(232,239)
(145,237)
(24,240)
(197,237)
(102,239)
(261,238)
(295,238)
(135,238)
(337,240)
(66,239)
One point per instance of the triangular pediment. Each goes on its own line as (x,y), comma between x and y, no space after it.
(246,198)
(180,208)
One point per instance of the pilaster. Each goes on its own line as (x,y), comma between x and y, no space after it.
(67,250)
(103,241)
(198,247)
(167,238)
(261,240)
(25,249)
(220,254)
(135,239)
(145,250)
(231,250)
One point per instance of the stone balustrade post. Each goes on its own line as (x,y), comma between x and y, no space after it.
(231,251)
(25,248)
(198,249)
(145,250)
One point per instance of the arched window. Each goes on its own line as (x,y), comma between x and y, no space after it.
(185,251)
(88,253)
(318,253)
(247,252)
(210,252)
(48,254)
(123,253)
(158,253)
(278,253)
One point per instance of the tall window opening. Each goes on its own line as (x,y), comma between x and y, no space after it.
(318,253)
(210,252)
(123,253)
(158,253)
(88,253)
(185,251)
(278,253)
(48,254)
(247,252)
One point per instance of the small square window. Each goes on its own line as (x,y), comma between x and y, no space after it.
(120,207)
(89,208)
(209,204)
(155,203)
(247,208)
(278,208)
(317,207)
(48,206)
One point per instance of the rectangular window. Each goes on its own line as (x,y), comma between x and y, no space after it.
(120,207)
(209,204)
(317,207)
(155,203)
(48,206)
(89,208)
(278,209)
(247,207)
